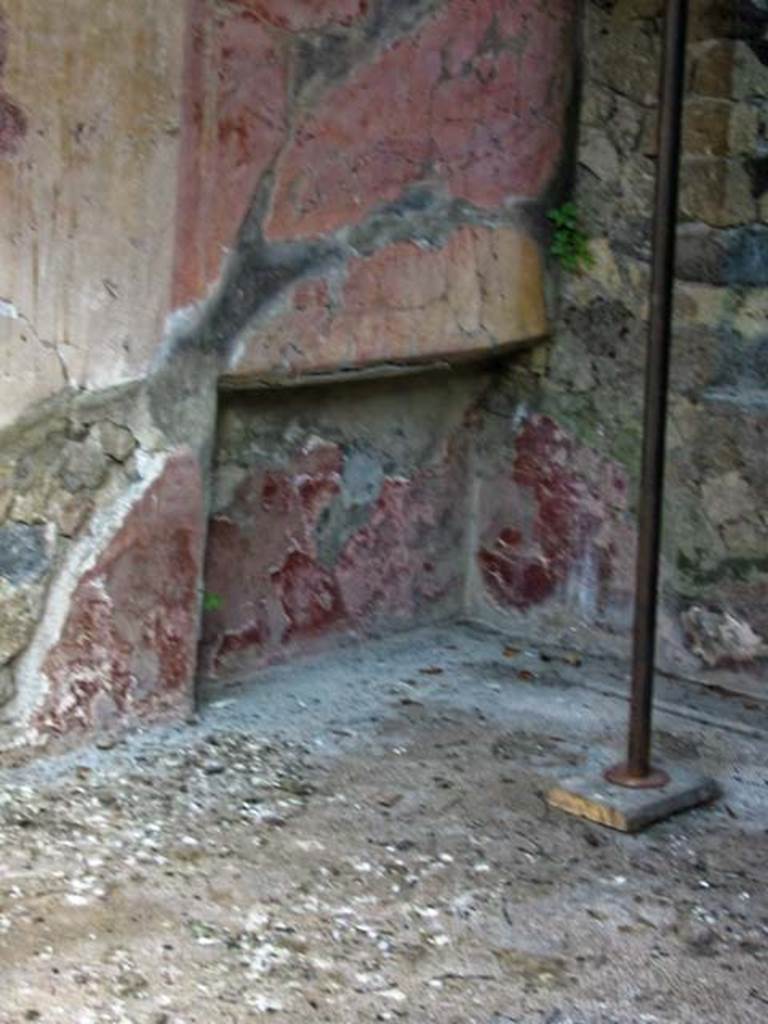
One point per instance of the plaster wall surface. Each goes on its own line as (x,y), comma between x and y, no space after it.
(337,512)
(145,147)
(88,155)
(235,195)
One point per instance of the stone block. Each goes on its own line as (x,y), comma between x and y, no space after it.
(116,441)
(603,278)
(744,130)
(712,65)
(737,257)
(717,192)
(24,567)
(749,317)
(747,537)
(6,498)
(84,466)
(712,19)
(727,497)
(701,305)
(24,553)
(696,356)
(6,491)
(19,610)
(749,78)
(598,154)
(598,105)
(721,639)
(590,797)
(7,685)
(70,511)
(633,10)
(638,182)
(625,125)
(625,58)
(707,127)
(31,507)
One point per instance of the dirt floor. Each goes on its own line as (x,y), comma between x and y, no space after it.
(363,838)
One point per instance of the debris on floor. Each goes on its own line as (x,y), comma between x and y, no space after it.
(364,838)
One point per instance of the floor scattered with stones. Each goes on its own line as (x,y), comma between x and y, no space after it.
(363,838)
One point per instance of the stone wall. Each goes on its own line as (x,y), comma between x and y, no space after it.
(569,449)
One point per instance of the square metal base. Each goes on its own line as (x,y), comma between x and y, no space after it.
(588,795)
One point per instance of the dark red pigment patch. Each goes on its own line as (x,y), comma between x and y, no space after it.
(568,510)
(252,636)
(276,493)
(13,120)
(128,646)
(316,494)
(276,597)
(510,538)
(309,595)
(261,564)
(517,582)
(382,567)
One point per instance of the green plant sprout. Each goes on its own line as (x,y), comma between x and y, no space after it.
(212,602)
(570,243)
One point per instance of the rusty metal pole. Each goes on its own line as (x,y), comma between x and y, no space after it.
(638,771)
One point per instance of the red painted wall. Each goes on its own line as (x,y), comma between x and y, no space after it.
(328,112)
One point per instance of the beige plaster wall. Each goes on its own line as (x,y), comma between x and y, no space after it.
(87,195)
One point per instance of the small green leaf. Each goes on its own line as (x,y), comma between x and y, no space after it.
(570,243)
(212,602)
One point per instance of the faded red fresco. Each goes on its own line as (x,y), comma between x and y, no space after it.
(276,595)
(406,303)
(472,100)
(554,525)
(128,647)
(234,117)
(302,15)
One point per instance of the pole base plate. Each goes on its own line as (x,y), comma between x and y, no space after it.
(620,775)
(630,809)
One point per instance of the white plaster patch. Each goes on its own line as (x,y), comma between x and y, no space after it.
(8,310)
(181,320)
(582,586)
